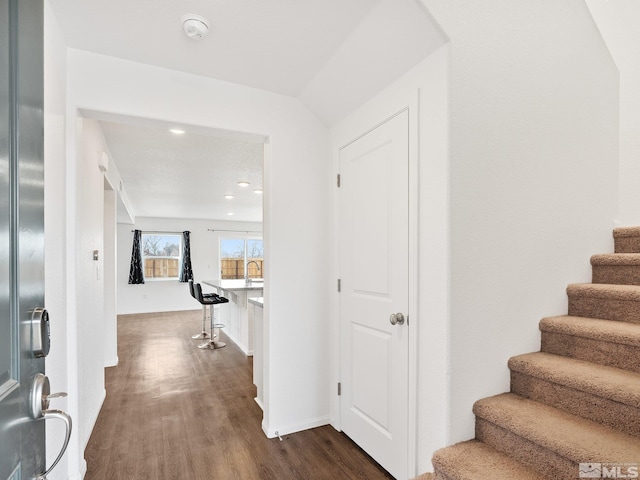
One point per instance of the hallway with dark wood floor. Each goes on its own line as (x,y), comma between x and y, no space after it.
(174,411)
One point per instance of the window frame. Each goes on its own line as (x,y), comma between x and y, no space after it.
(245,238)
(152,233)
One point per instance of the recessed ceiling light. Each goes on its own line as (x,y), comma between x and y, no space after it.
(243,184)
(230,213)
(257,190)
(177,131)
(229,197)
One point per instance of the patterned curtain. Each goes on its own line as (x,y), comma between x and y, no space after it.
(186,272)
(136,275)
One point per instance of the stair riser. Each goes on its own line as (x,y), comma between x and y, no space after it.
(611,413)
(535,456)
(616,274)
(425,476)
(438,475)
(627,244)
(604,308)
(610,354)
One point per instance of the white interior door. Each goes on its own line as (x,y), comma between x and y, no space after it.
(374,273)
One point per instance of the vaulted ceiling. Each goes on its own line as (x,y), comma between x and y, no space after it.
(332,54)
(275,45)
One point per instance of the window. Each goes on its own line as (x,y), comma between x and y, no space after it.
(161,255)
(239,256)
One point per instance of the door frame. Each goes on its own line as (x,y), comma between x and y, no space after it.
(347,131)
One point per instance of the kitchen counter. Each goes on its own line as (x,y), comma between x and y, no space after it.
(235,314)
(259,301)
(234,285)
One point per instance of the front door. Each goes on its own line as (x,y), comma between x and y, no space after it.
(374,298)
(22,439)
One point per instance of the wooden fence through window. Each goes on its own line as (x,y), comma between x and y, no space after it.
(161,267)
(232,268)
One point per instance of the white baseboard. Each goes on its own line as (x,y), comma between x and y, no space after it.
(245,350)
(112,362)
(274,431)
(83,471)
(85,441)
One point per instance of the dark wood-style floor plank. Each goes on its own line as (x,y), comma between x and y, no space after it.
(175,412)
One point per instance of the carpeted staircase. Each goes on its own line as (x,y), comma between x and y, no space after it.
(578,399)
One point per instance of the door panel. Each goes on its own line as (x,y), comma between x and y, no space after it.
(369,196)
(374,272)
(370,373)
(22,446)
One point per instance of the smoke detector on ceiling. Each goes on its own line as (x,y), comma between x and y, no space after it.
(195,26)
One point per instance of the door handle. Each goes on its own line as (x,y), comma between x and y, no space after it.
(396,319)
(40,396)
(66,418)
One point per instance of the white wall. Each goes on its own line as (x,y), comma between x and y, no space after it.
(168,296)
(533,177)
(434,308)
(296,217)
(82,340)
(109,262)
(618,23)
(87,202)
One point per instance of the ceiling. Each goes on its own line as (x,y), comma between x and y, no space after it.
(186,175)
(275,45)
(333,55)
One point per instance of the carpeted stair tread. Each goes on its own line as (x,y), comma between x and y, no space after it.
(622,232)
(425,476)
(474,460)
(631,259)
(605,342)
(616,269)
(568,436)
(627,239)
(607,382)
(594,328)
(606,301)
(605,291)
(604,394)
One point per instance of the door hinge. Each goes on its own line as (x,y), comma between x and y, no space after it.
(339,388)
(339,285)
(338,180)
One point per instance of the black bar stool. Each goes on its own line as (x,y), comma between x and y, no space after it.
(202,335)
(210,300)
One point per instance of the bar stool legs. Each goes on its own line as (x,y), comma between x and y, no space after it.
(213,344)
(203,334)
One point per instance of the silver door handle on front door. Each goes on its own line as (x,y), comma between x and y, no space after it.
(40,397)
(67,422)
(396,319)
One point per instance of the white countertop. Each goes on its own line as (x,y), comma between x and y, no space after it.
(258,301)
(234,285)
